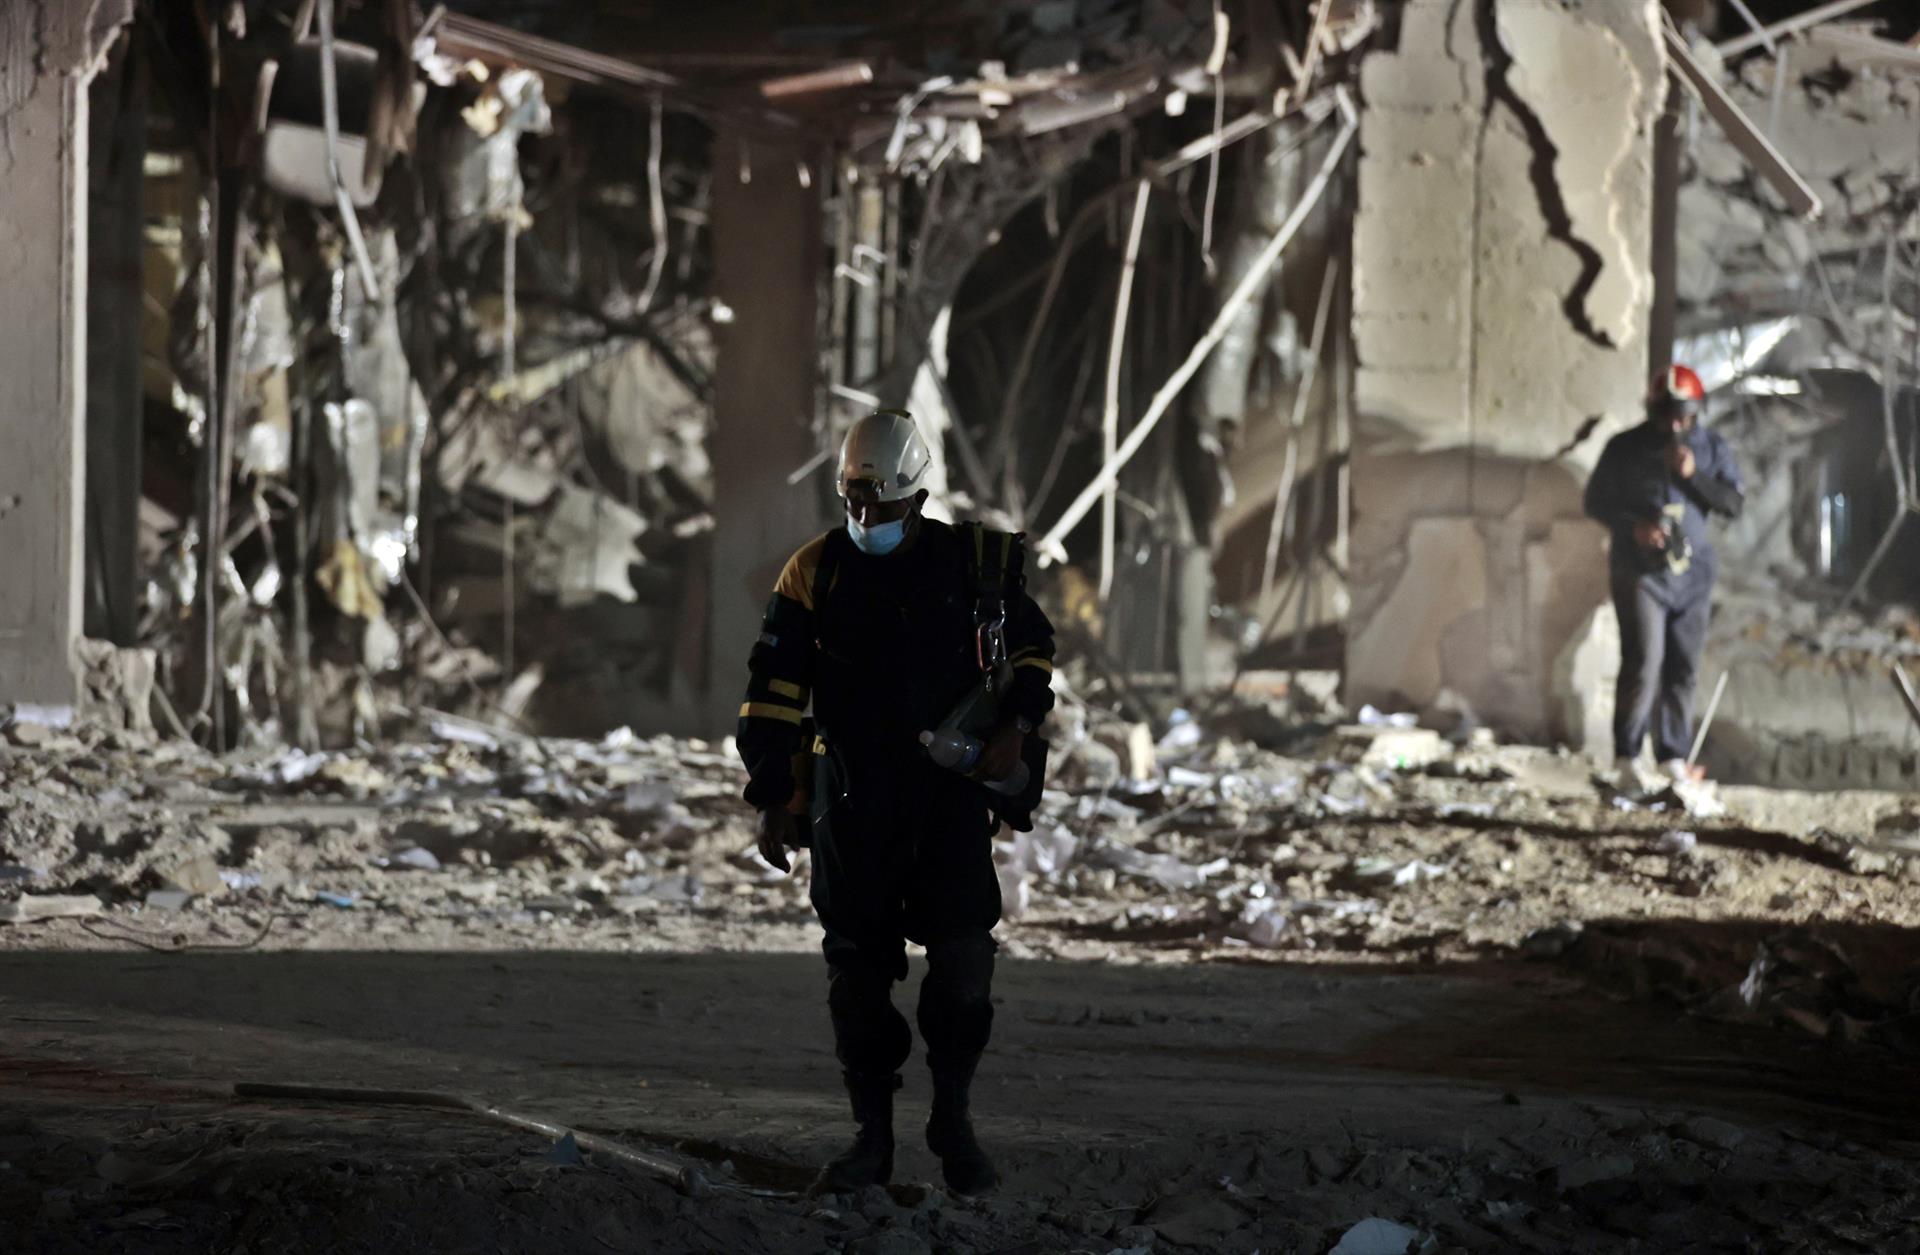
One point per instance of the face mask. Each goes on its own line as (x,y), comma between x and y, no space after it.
(881,538)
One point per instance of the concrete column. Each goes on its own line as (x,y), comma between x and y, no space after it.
(114,405)
(767,260)
(48,51)
(1501,295)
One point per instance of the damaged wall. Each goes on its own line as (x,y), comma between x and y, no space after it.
(48,53)
(1501,290)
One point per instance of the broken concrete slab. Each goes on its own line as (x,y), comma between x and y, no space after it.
(116,685)
(1397,749)
(1596,1170)
(31,907)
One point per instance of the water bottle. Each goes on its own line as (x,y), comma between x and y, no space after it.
(956,751)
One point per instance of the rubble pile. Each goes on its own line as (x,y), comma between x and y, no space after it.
(1377,842)
(1342,849)
(468,830)
(1812,698)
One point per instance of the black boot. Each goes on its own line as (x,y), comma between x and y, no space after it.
(950,1133)
(869,1161)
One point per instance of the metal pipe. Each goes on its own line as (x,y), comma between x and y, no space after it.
(1907,694)
(1296,421)
(832,78)
(682,1176)
(1049,548)
(1110,409)
(1740,130)
(330,118)
(1812,17)
(656,208)
(1713,706)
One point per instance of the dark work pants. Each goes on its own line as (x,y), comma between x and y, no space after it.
(905,855)
(1663,626)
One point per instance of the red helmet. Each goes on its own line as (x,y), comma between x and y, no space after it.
(1680,384)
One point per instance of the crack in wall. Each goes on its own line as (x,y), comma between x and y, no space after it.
(1474,568)
(1590,97)
(1500,66)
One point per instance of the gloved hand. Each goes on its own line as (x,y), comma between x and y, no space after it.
(1002,753)
(777,832)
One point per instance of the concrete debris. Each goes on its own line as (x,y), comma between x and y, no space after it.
(1597,1170)
(1399,875)
(168,899)
(585,548)
(1228,852)
(31,713)
(1375,1236)
(417,857)
(1677,842)
(1707,1131)
(29,907)
(1741,131)
(116,685)
(1226,847)
(32,733)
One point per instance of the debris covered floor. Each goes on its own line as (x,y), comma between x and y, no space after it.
(1244,1005)
(454,380)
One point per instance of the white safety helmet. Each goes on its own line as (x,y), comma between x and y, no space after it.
(884,456)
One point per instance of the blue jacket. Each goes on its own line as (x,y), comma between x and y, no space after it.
(1633,484)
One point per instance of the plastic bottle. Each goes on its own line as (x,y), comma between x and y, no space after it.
(956,751)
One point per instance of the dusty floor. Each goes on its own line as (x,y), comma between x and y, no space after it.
(1222,1024)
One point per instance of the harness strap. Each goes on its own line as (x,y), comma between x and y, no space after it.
(990,556)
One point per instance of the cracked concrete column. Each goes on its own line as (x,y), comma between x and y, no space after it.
(48,52)
(1501,290)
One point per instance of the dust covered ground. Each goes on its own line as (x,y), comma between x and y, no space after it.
(1248,999)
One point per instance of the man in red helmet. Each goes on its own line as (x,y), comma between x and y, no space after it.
(1653,489)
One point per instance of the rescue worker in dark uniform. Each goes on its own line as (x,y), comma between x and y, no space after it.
(1654,487)
(879,623)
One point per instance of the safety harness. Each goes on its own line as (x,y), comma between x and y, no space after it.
(990,555)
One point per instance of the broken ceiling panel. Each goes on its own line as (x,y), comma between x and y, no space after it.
(584,548)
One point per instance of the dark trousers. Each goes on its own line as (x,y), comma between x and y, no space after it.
(902,851)
(1662,630)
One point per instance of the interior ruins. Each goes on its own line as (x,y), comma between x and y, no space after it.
(410,407)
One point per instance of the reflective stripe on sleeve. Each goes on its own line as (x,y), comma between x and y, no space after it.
(767,710)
